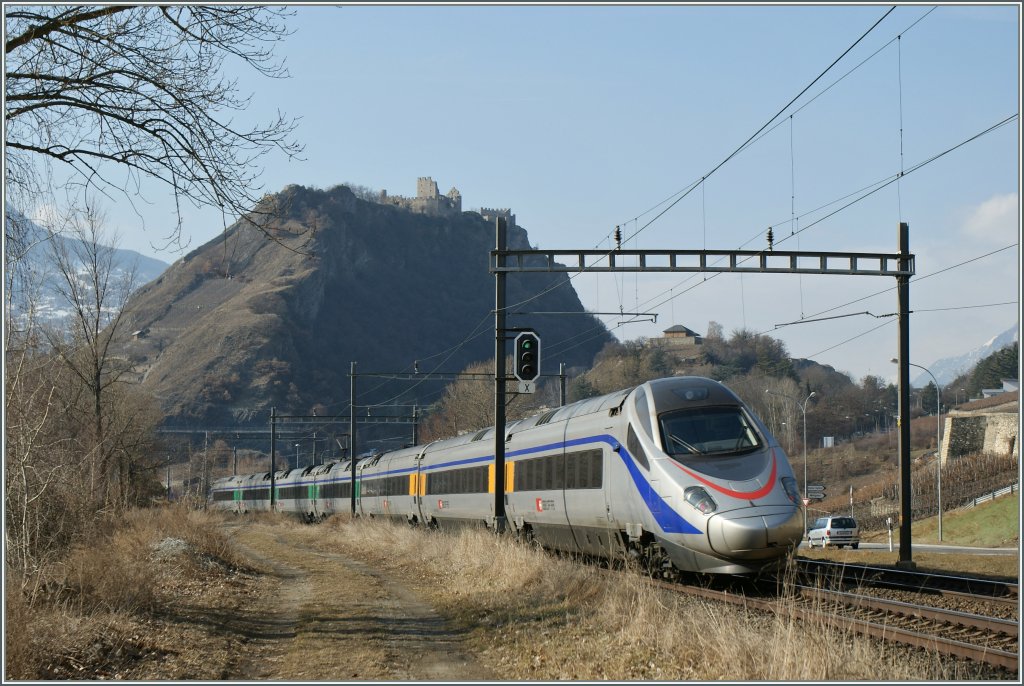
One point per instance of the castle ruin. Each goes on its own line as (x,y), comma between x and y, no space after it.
(429,200)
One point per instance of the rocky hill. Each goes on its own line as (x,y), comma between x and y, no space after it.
(247,322)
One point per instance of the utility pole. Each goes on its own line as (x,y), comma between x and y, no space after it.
(204,477)
(273,455)
(352,432)
(561,384)
(938,441)
(499,377)
(903,288)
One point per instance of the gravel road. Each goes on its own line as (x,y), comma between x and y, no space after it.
(334,618)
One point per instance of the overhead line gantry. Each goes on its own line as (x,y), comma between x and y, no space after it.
(899,265)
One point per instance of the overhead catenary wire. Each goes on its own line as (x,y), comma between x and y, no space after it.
(679,195)
(676,197)
(848,340)
(965,307)
(701,182)
(915,279)
(864,192)
(767,123)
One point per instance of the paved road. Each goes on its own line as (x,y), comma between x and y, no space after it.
(935,548)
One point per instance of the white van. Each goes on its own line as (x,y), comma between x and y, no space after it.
(834,531)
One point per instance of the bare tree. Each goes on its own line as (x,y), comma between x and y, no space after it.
(33,455)
(121,93)
(76,440)
(95,289)
(468,404)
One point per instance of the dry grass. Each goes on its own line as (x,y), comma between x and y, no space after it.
(534,616)
(83,612)
(139,602)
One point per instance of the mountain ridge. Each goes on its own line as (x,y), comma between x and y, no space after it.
(947,369)
(246,322)
(50,306)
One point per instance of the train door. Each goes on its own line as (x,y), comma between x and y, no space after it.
(536,498)
(418,486)
(586,498)
(358,486)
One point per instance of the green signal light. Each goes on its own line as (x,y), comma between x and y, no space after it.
(527,343)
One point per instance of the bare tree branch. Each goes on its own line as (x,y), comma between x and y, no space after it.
(141,88)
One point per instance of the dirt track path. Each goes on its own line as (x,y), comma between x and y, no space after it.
(335,618)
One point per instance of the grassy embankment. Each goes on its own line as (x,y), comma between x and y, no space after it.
(115,606)
(995,524)
(534,616)
(94,614)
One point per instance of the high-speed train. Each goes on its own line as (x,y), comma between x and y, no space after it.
(678,472)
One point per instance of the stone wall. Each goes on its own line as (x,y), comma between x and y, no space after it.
(1001,434)
(980,433)
(490,214)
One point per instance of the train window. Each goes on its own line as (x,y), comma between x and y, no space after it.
(708,431)
(256,494)
(336,490)
(385,486)
(635,449)
(643,413)
(555,472)
(583,470)
(455,481)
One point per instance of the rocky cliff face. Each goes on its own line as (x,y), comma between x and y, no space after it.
(245,322)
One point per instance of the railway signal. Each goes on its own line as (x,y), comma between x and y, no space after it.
(527,359)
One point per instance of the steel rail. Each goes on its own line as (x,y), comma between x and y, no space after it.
(994,589)
(945,646)
(897,607)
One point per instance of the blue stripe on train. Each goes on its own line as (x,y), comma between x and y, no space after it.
(670,521)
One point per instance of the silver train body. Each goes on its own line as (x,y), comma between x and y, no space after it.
(676,471)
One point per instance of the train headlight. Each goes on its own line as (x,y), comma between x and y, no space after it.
(789,484)
(700,499)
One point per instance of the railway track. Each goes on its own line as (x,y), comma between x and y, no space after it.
(822,573)
(983,639)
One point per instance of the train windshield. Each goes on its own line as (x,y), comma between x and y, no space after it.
(708,431)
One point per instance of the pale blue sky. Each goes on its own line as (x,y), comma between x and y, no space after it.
(579,118)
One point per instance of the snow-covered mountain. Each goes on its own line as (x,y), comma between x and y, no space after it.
(38,261)
(948,368)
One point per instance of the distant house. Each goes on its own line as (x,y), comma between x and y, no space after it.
(141,333)
(1009,386)
(680,335)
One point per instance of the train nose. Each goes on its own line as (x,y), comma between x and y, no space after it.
(755,533)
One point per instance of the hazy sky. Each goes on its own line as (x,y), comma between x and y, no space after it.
(581,118)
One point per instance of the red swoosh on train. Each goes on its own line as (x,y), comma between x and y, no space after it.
(743,495)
